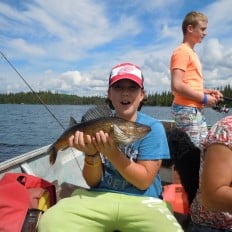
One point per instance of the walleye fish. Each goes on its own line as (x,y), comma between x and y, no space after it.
(121,130)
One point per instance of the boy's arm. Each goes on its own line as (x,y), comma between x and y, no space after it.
(178,86)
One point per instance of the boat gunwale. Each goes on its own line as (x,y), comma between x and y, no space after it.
(23,158)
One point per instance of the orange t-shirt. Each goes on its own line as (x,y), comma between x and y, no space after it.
(186,59)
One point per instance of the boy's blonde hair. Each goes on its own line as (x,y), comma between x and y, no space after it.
(193,18)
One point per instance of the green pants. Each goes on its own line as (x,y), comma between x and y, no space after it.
(107,212)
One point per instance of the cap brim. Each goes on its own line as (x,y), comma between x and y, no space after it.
(130,77)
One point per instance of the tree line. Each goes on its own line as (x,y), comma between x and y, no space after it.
(49,98)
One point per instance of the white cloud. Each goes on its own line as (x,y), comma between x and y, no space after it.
(217,63)
(67,30)
(22,46)
(70,46)
(220,18)
(72,82)
(213,52)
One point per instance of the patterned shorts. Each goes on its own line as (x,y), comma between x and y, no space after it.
(192,121)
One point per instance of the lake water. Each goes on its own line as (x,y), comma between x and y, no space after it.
(26,127)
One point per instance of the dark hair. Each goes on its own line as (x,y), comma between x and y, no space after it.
(193,18)
(143,102)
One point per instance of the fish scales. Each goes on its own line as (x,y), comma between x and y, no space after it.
(121,130)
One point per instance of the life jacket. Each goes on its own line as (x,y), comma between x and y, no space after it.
(23,198)
(176,196)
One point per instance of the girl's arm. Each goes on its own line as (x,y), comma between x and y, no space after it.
(92,171)
(216,190)
(140,174)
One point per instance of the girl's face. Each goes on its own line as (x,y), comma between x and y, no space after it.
(126,96)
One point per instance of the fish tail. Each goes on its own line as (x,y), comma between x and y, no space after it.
(52,154)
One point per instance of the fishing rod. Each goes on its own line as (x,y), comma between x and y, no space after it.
(41,101)
(222,108)
(227,98)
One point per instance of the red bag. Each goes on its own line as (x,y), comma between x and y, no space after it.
(20,192)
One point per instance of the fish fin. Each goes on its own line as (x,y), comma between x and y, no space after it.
(52,151)
(97,112)
(119,135)
(72,121)
(52,154)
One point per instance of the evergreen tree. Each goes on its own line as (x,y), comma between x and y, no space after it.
(154,99)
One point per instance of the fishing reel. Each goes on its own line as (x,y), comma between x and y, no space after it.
(221,107)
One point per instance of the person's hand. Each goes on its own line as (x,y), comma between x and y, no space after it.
(83,143)
(211,100)
(105,144)
(218,95)
(215,93)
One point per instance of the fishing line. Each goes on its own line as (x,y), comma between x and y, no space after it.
(41,101)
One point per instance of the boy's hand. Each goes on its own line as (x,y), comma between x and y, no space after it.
(214,93)
(211,100)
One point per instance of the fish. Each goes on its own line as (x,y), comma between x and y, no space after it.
(122,131)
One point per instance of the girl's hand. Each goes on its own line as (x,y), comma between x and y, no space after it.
(82,143)
(105,144)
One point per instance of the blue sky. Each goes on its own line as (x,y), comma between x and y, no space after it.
(70,46)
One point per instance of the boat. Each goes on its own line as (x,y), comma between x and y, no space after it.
(66,173)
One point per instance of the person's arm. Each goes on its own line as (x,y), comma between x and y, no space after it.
(140,174)
(178,86)
(216,190)
(92,170)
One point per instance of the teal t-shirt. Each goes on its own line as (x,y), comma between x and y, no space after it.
(153,146)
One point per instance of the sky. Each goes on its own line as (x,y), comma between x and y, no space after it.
(70,46)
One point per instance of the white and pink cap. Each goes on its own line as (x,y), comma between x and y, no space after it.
(126,71)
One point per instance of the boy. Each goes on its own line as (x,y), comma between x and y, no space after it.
(187,81)
(125,187)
